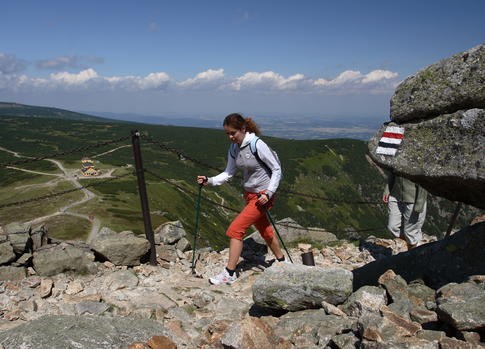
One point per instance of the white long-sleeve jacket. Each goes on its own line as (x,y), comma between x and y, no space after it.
(256,177)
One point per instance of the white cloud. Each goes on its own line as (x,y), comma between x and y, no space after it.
(153,81)
(10,64)
(268,80)
(352,81)
(347,82)
(208,79)
(378,75)
(75,79)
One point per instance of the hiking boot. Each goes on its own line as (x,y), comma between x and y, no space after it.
(223,278)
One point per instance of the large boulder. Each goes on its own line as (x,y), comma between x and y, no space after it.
(122,248)
(64,331)
(462,306)
(54,259)
(169,233)
(454,83)
(297,287)
(442,111)
(443,154)
(11,273)
(6,252)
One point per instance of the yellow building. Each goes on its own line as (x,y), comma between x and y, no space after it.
(88,168)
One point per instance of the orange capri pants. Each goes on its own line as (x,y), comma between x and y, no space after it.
(252,214)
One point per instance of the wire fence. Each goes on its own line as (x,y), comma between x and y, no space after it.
(281,191)
(72,151)
(180,155)
(282,224)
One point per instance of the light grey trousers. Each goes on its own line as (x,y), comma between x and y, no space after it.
(403,221)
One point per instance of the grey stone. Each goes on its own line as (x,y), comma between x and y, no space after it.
(387,327)
(431,335)
(423,316)
(297,287)
(452,343)
(16,227)
(63,331)
(121,249)
(315,322)
(183,245)
(249,333)
(169,233)
(401,343)
(421,295)
(20,242)
(61,258)
(39,237)
(346,341)
(462,306)
(396,287)
(120,279)
(402,307)
(12,273)
(6,252)
(91,308)
(365,299)
(320,235)
(454,83)
(166,252)
(24,260)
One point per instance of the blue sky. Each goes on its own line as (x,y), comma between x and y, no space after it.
(210,58)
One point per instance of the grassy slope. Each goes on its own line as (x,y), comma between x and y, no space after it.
(335,169)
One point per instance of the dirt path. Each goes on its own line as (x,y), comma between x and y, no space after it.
(88,195)
(110,151)
(71,177)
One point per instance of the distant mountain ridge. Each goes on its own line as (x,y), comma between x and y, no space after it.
(289,127)
(15,109)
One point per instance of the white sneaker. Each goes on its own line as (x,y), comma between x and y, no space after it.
(287,261)
(223,278)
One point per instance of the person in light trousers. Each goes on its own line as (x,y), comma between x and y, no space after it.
(407,209)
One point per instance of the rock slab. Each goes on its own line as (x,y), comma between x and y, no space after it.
(296,287)
(64,331)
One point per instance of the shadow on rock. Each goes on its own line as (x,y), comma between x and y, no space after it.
(254,255)
(258,311)
(453,259)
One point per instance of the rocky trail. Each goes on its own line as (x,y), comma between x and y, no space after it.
(118,302)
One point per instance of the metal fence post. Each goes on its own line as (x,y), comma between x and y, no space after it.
(140,174)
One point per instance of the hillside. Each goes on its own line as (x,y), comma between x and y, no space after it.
(332,175)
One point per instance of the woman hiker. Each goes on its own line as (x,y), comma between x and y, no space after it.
(262,174)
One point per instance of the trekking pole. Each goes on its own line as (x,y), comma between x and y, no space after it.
(196,229)
(276,230)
